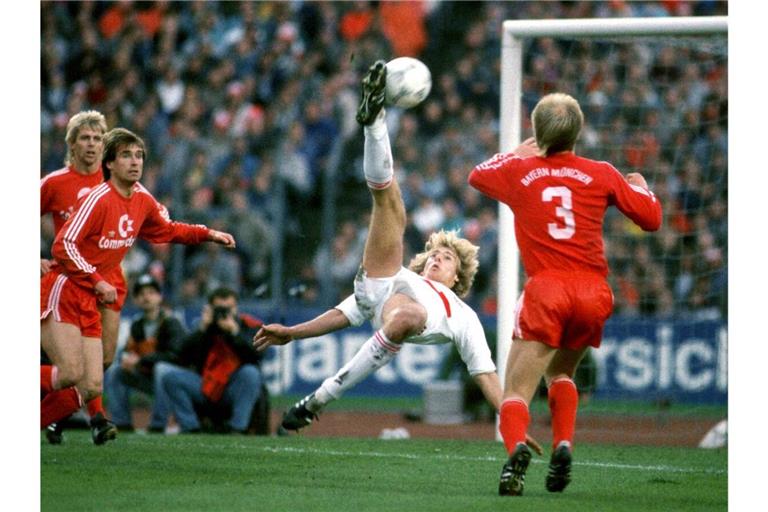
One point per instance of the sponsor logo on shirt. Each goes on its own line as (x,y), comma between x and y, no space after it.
(124,227)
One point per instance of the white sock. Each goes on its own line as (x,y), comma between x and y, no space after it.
(376,352)
(377,154)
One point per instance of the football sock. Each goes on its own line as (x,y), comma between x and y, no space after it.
(95,406)
(59,404)
(47,378)
(376,352)
(377,154)
(513,422)
(563,401)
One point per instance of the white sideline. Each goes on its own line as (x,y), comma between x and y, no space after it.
(609,465)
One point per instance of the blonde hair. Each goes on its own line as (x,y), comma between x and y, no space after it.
(93,119)
(464,249)
(557,120)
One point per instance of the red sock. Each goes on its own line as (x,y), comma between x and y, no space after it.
(95,407)
(563,402)
(513,422)
(47,373)
(58,405)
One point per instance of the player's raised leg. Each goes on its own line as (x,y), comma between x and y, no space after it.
(383,255)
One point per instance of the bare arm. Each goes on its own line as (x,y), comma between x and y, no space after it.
(278,334)
(490,385)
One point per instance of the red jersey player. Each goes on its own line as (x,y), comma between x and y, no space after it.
(559,201)
(88,247)
(60,192)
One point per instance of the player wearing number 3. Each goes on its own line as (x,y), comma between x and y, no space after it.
(416,305)
(559,201)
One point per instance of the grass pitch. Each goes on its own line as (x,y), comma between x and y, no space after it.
(230,473)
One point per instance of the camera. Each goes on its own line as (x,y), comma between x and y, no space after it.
(221,312)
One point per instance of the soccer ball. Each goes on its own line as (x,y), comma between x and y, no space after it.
(408,82)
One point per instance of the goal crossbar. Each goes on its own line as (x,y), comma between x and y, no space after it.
(598,27)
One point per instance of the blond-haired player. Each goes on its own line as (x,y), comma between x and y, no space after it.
(559,200)
(420,304)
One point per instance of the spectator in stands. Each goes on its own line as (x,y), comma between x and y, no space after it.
(214,269)
(218,374)
(252,73)
(155,337)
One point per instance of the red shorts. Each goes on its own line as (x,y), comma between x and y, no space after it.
(69,304)
(564,309)
(116,278)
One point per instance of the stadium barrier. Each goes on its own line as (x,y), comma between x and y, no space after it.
(683,359)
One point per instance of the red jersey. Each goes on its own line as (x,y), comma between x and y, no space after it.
(96,238)
(61,190)
(559,203)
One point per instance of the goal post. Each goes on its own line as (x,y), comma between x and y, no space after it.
(515,33)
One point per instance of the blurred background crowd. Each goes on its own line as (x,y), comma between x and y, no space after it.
(248,111)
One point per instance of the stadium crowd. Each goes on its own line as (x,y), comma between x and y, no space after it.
(238,99)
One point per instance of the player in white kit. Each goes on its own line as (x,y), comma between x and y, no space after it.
(419,304)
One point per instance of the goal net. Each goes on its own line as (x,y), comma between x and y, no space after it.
(654,96)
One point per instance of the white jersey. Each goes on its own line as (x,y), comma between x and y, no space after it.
(449,319)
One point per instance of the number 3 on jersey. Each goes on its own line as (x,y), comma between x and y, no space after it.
(565,211)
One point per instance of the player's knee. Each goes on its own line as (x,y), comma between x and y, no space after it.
(89,391)
(550,379)
(69,375)
(406,320)
(92,387)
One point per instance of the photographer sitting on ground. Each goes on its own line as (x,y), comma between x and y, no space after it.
(218,368)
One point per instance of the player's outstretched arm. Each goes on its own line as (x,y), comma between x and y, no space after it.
(278,334)
(221,238)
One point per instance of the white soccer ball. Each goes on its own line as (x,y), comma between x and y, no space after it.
(408,82)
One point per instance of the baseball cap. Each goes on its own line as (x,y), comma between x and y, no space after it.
(145,280)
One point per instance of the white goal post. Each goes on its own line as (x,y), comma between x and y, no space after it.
(514,33)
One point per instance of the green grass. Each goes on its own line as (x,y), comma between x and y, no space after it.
(201,472)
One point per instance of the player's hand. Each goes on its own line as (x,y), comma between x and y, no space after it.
(533,444)
(635,178)
(221,238)
(272,334)
(527,148)
(45,266)
(105,292)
